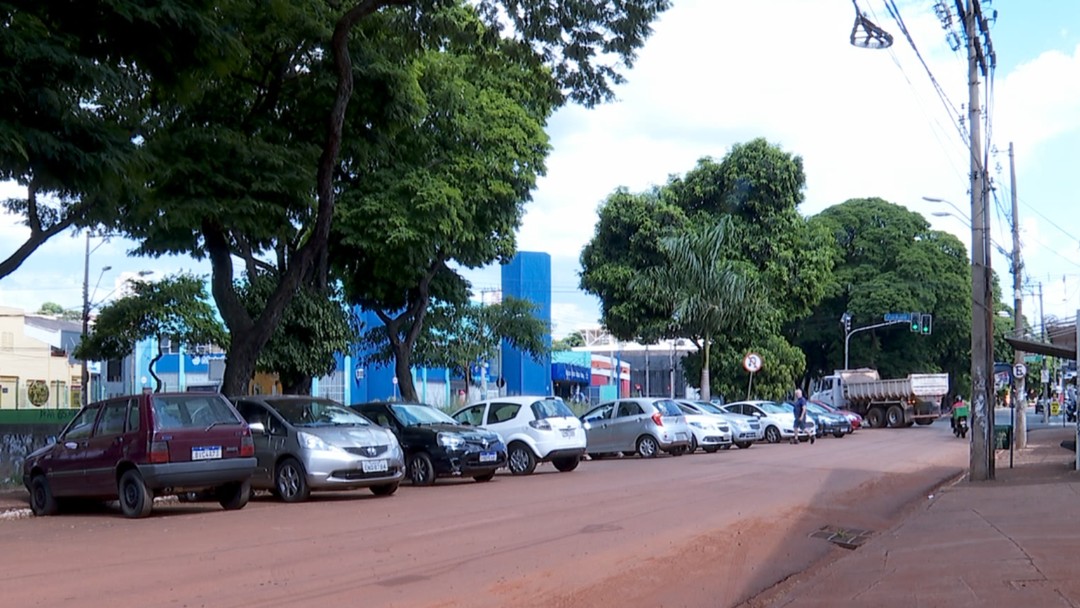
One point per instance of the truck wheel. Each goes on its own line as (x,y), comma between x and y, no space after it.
(895,416)
(924,421)
(875,418)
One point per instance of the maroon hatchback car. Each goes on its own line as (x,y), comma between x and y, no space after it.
(134,448)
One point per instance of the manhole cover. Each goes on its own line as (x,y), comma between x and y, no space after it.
(848,538)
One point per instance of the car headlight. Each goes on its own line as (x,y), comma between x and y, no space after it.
(698,425)
(451,441)
(313,442)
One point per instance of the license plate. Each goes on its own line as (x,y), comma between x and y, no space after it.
(209,452)
(373,466)
(680,436)
(488,457)
(568,432)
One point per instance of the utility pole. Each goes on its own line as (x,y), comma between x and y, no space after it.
(1019,398)
(981,461)
(1046,359)
(85,373)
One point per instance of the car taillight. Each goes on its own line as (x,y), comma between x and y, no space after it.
(159,452)
(542,425)
(658,419)
(247,445)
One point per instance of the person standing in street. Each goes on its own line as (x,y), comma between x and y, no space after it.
(800,417)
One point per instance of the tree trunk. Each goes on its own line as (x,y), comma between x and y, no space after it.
(706,393)
(153,362)
(240,364)
(403,372)
(296,385)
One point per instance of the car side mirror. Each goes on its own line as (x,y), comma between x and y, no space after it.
(257,428)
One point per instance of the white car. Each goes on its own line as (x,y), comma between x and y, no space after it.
(535,430)
(708,432)
(777,420)
(745,430)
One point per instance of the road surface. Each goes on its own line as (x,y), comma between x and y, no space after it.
(697,530)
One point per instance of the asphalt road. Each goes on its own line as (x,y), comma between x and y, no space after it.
(697,530)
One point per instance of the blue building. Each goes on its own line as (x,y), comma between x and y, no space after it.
(528,277)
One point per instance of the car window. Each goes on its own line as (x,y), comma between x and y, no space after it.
(735,409)
(667,407)
(191,411)
(83,424)
(710,408)
(134,416)
(775,408)
(501,412)
(551,408)
(472,415)
(381,418)
(253,413)
(600,413)
(628,408)
(686,409)
(316,412)
(112,419)
(416,414)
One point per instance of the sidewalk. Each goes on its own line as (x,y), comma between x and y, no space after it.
(1014,541)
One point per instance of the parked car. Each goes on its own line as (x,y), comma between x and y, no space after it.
(134,448)
(435,444)
(643,425)
(535,430)
(827,422)
(709,432)
(777,420)
(308,443)
(854,419)
(745,430)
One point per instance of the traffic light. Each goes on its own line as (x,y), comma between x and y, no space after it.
(927,324)
(916,322)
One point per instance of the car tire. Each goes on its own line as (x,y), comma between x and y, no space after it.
(234,496)
(894,416)
(772,434)
(485,477)
(565,465)
(690,449)
(596,455)
(42,502)
(420,469)
(385,489)
(839,434)
(924,421)
(520,459)
(136,500)
(290,481)
(744,445)
(647,446)
(711,449)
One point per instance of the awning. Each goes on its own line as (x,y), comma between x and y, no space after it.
(568,372)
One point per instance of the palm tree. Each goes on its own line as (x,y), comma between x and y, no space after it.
(708,293)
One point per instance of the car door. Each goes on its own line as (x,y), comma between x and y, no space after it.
(627,425)
(67,476)
(267,444)
(501,418)
(472,416)
(597,424)
(107,446)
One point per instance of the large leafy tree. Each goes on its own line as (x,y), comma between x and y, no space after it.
(176,308)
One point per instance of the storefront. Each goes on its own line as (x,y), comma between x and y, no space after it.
(570,380)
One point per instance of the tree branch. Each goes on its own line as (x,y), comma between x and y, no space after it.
(38,235)
(221,282)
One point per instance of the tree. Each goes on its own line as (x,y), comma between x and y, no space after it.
(707,294)
(569,342)
(176,308)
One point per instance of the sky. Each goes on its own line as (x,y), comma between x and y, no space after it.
(720,72)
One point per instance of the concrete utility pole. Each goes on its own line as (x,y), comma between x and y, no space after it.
(84,377)
(1047,360)
(981,466)
(1019,398)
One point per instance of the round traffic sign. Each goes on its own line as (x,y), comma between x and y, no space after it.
(752,362)
(1019,370)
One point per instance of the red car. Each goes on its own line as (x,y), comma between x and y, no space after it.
(134,448)
(856,420)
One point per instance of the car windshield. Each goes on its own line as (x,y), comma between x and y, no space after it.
(667,407)
(316,412)
(710,408)
(417,414)
(192,411)
(552,407)
(775,408)
(817,409)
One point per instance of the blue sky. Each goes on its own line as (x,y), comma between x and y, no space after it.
(719,72)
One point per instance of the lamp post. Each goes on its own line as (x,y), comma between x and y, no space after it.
(85,375)
(671,369)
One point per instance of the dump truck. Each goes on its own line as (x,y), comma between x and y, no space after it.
(899,402)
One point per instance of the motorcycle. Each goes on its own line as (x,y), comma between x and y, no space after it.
(960,421)
(1070,411)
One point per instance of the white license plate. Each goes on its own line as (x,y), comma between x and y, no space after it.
(568,432)
(210,452)
(488,457)
(373,466)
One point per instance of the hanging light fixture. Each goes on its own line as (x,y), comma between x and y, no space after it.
(866,34)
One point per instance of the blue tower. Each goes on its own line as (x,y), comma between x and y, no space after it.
(528,277)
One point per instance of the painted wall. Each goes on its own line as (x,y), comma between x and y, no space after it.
(26,356)
(528,277)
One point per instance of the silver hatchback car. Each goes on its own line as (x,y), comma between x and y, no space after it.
(307,443)
(643,425)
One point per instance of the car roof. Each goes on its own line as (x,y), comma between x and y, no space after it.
(522,399)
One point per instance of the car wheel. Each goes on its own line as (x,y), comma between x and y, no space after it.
(565,465)
(744,445)
(875,418)
(924,421)
(385,489)
(485,477)
(136,500)
(895,416)
(647,446)
(234,496)
(772,434)
(41,499)
(710,449)
(290,481)
(690,449)
(520,459)
(421,471)
(839,434)
(596,455)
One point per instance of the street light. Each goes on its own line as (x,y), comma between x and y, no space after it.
(671,366)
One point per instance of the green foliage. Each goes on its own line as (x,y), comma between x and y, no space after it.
(176,308)
(51,308)
(569,342)
(783,365)
(315,326)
